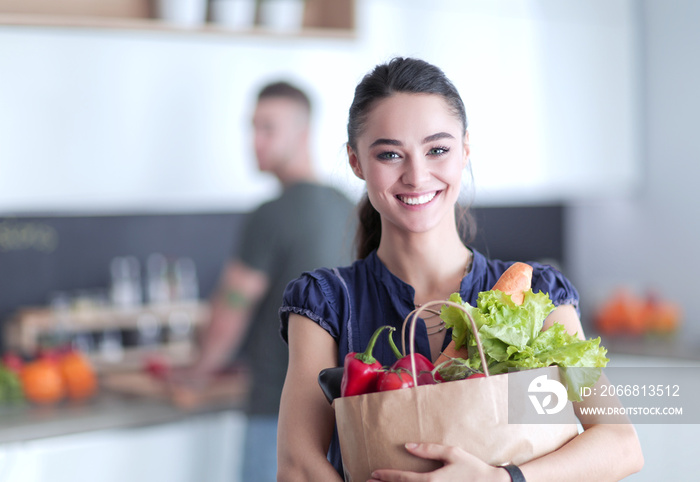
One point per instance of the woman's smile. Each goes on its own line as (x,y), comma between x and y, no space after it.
(417,200)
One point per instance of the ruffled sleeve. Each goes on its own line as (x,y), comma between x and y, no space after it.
(317,296)
(548,279)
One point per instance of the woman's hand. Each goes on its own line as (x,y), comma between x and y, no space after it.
(459,466)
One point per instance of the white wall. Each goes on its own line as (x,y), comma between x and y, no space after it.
(549,87)
(123,121)
(111,120)
(650,240)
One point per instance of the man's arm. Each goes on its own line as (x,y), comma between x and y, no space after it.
(241,289)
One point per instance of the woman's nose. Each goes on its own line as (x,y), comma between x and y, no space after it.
(416,172)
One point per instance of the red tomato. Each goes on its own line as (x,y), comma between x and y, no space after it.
(476,375)
(157,367)
(395,379)
(424,367)
(427,378)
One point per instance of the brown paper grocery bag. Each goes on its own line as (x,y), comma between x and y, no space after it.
(472,414)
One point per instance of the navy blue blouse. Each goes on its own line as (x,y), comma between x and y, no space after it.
(350,303)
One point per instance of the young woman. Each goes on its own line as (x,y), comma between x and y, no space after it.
(407,138)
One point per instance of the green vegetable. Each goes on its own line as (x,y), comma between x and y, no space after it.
(455,369)
(10,386)
(512,338)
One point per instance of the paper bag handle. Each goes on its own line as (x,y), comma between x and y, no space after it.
(413,316)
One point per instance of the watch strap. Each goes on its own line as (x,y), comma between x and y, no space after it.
(516,475)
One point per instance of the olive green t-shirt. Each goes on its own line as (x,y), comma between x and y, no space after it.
(309,226)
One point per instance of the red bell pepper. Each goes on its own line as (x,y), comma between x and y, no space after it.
(426,373)
(361,370)
(395,379)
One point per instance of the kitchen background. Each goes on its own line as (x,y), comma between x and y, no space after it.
(131,137)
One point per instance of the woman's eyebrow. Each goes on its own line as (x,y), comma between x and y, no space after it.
(390,142)
(394,142)
(439,135)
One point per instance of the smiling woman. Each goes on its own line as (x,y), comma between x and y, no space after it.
(407,139)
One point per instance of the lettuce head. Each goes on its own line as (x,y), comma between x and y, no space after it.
(512,338)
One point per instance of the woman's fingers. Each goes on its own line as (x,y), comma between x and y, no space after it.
(443,453)
(456,463)
(426,451)
(432,451)
(398,476)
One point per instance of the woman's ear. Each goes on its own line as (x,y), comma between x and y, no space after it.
(466,150)
(355,163)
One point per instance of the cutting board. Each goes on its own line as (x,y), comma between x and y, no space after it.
(225,389)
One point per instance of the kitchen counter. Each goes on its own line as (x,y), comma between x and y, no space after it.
(107,411)
(125,399)
(117,437)
(673,347)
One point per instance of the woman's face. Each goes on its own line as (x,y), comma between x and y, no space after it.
(411,154)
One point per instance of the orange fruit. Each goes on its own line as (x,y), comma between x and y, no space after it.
(42,382)
(621,314)
(78,375)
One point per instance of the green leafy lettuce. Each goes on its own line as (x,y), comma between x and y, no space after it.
(512,338)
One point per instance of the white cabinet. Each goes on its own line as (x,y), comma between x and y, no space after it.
(201,447)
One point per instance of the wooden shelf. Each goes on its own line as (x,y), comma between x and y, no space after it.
(41,320)
(25,331)
(321,18)
(156,25)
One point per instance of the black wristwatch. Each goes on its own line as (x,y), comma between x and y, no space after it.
(516,475)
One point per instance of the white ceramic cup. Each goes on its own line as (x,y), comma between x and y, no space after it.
(282,15)
(237,14)
(186,13)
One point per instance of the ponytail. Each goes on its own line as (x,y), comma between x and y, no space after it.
(369,228)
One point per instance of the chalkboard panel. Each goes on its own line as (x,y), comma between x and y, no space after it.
(530,233)
(43,255)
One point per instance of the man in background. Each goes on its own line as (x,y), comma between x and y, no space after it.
(308,226)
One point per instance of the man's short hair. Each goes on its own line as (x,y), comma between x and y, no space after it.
(287,91)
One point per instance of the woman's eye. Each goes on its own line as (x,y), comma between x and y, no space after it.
(438,151)
(388,156)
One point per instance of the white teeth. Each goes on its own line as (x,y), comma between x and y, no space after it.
(414,201)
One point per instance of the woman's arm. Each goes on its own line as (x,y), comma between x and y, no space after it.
(565,315)
(306,418)
(603,451)
(609,451)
